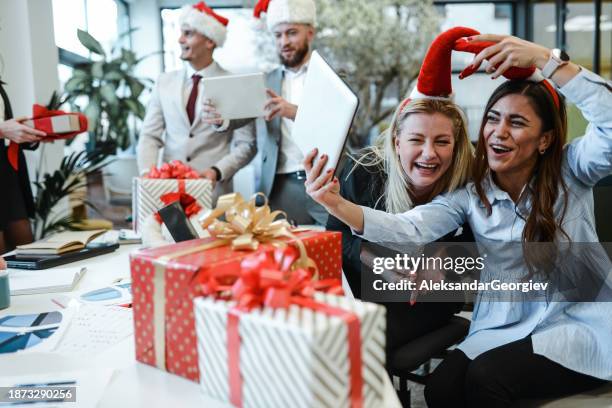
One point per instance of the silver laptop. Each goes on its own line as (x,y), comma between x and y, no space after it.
(325,112)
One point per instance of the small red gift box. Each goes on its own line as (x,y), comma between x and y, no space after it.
(165,281)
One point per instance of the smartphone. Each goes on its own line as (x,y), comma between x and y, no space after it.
(176,221)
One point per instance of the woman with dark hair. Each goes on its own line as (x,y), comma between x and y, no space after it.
(529,188)
(17,204)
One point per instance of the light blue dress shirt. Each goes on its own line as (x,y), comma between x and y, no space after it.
(575,335)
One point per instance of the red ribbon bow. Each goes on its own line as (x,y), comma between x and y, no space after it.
(40,112)
(176,169)
(266,280)
(188,202)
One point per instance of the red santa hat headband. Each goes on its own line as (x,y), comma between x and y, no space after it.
(286,11)
(434,81)
(204,20)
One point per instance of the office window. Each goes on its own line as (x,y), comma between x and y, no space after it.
(579,32)
(544,25)
(493,18)
(237,55)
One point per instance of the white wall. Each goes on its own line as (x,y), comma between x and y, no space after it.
(29,67)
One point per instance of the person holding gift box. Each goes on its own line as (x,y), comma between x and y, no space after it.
(173,124)
(15,226)
(282,180)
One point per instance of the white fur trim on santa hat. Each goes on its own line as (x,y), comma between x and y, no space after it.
(415,94)
(292,12)
(204,24)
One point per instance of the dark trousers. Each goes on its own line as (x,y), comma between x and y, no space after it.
(501,376)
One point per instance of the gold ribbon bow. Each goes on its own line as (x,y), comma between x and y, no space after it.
(247,225)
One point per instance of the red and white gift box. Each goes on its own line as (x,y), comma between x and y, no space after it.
(147,191)
(165,281)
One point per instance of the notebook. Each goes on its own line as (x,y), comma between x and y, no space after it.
(59,243)
(30,282)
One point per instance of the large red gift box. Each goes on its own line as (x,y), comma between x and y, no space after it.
(165,281)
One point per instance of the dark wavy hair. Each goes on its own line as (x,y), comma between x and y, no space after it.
(547,183)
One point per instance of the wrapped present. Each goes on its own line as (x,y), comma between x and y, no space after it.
(171,179)
(275,341)
(165,280)
(56,124)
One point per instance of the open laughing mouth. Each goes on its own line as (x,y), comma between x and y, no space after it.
(499,149)
(428,167)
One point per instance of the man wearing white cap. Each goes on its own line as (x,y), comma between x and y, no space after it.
(293,24)
(173,124)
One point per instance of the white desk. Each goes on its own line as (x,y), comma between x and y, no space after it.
(133,384)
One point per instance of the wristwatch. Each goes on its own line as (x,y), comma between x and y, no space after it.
(558,58)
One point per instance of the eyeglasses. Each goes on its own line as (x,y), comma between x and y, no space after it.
(19,332)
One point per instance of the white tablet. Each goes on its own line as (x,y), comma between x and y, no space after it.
(237,96)
(325,112)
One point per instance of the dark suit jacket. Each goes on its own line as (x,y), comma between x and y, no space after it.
(14,185)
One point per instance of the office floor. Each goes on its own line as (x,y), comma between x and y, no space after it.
(117,212)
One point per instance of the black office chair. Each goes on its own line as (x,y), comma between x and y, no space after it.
(419,352)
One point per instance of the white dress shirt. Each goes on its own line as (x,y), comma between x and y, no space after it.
(291,157)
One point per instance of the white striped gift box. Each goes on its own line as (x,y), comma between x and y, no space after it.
(146,193)
(294,357)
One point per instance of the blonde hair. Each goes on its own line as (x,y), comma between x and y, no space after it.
(383,155)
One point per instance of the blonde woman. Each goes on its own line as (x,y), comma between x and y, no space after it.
(425,152)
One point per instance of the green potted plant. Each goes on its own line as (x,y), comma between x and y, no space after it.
(108,92)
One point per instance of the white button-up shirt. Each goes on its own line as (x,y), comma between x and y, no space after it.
(292,87)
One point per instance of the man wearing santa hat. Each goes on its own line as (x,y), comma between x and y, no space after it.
(282,174)
(173,125)
(293,24)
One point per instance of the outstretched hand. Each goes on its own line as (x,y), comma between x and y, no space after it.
(17,132)
(278,106)
(321,186)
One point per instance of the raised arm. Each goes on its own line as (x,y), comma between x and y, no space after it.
(590,156)
(422,224)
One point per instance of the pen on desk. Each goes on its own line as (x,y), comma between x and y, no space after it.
(48,384)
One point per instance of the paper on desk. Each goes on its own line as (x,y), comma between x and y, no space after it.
(94,329)
(90,385)
(30,282)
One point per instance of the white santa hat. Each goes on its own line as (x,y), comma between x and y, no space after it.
(204,20)
(286,11)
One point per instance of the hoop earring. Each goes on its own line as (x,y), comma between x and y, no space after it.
(542,152)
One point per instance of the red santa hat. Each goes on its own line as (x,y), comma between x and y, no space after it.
(286,11)
(204,20)
(434,81)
